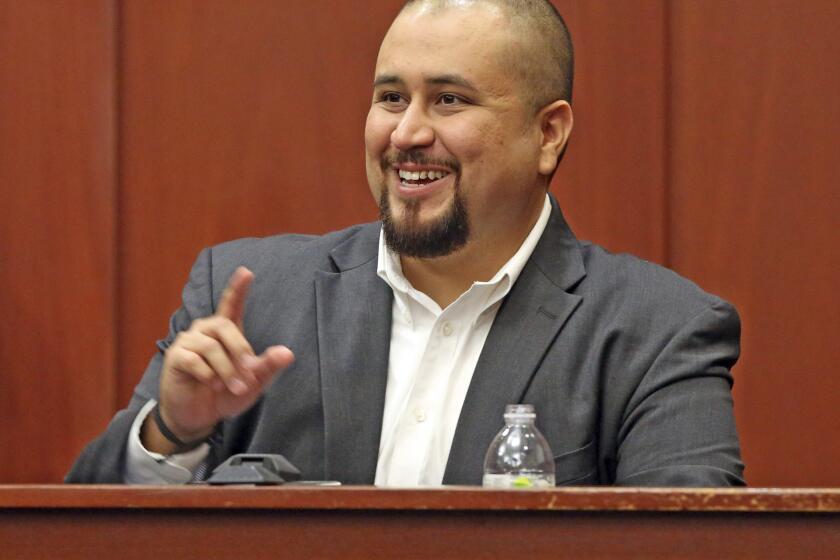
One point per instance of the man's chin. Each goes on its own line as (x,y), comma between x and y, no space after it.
(413,230)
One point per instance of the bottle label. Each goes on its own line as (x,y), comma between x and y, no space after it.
(518,480)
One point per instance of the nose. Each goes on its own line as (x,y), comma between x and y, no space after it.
(413,130)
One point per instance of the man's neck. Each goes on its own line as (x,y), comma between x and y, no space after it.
(445,278)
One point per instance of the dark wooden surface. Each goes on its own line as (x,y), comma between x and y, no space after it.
(755,200)
(817,500)
(238,119)
(57,222)
(612,184)
(363,522)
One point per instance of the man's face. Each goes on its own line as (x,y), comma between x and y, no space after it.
(452,144)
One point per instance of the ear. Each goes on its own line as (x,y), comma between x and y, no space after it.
(555,125)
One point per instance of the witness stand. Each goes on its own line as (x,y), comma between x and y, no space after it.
(247,522)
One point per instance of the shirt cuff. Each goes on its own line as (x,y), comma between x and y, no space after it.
(146,467)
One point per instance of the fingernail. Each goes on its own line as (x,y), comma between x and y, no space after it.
(238,387)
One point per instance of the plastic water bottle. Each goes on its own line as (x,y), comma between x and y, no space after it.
(519,456)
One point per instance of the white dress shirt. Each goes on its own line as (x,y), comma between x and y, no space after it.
(431,362)
(146,467)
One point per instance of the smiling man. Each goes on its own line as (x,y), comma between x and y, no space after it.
(387,352)
(465,104)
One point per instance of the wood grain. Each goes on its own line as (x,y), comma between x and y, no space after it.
(755,200)
(201,523)
(237,120)
(57,244)
(611,183)
(453,498)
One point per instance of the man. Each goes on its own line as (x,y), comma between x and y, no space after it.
(410,336)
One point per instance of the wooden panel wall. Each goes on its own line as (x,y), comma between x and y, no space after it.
(56,233)
(237,121)
(132,134)
(755,195)
(611,183)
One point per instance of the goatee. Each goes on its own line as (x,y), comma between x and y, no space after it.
(406,236)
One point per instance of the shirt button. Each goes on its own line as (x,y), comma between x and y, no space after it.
(447,328)
(419,414)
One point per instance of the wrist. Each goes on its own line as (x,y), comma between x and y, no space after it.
(158,436)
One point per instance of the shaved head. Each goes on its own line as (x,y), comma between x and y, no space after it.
(469,118)
(544,57)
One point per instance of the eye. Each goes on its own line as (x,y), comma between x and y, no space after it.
(449,99)
(391,97)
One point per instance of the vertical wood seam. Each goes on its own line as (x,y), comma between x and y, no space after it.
(117,344)
(667,134)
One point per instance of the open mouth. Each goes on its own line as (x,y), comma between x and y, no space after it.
(414,179)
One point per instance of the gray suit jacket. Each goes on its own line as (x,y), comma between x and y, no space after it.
(627,363)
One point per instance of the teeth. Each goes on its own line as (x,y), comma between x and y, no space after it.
(432,175)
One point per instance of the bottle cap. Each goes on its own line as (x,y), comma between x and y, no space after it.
(520,411)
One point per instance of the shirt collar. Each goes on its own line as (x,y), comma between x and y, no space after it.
(389,267)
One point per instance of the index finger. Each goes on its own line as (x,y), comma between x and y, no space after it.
(232,302)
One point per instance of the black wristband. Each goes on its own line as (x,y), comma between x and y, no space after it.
(181,446)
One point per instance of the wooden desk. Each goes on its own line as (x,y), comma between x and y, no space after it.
(120,522)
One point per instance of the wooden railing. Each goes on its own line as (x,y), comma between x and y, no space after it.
(184,522)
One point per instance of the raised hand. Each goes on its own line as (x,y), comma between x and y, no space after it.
(210,371)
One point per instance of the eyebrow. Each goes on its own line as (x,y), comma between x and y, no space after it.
(443,79)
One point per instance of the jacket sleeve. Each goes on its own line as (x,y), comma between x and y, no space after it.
(103,460)
(678,428)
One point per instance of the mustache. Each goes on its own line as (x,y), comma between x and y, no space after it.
(418,158)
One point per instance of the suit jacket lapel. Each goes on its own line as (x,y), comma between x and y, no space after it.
(529,320)
(354,334)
